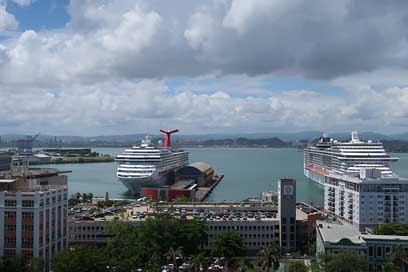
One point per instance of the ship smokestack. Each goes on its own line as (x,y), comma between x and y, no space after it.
(167,142)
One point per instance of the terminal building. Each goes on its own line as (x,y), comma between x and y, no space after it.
(33,213)
(200,172)
(188,179)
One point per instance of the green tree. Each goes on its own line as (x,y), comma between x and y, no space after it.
(245,265)
(37,264)
(199,261)
(173,254)
(80,260)
(228,244)
(400,257)
(296,266)
(269,257)
(390,267)
(343,262)
(393,228)
(12,264)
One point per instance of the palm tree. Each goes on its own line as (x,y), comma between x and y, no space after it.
(173,254)
(400,257)
(269,257)
(245,265)
(199,262)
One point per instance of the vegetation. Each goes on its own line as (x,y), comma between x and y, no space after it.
(392,229)
(80,198)
(150,245)
(343,262)
(112,203)
(296,266)
(228,244)
(269,257)
(17,264)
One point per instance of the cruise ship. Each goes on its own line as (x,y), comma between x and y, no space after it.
(150,165)
(332,156)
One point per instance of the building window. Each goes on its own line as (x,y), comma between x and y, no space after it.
(379,252)
(10,227)
(10,240)
(27,215)
(10,203)
(10,214)
(28,203)
(370,251)
(27,228)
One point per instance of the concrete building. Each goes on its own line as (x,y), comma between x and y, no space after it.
(33,214)
(334,236)
(306,218)
(287,214)
(368,200)
(5,162)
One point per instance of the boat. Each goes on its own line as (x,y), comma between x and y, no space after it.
(345,158)
(150,165)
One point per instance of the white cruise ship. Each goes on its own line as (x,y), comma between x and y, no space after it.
(150,165)
(332,156)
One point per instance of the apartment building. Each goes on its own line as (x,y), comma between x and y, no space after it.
(369,199)
(33,213)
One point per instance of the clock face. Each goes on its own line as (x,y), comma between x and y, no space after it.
(288,190)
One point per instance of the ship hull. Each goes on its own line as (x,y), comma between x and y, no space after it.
(135,185)
(315,176)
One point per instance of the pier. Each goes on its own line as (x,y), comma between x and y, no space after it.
(203,192)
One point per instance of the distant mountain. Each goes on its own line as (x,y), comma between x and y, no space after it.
(118,140)
(401,136)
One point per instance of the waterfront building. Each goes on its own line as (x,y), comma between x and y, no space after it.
(335,236)
(33,213)
(287,213)
(369,199)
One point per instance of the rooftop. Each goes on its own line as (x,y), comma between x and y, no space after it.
(333,231)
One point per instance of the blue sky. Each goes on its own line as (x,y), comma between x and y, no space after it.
(41,14)
(130,66)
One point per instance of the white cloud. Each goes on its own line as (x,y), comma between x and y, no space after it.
(22,2)
(7,20)
(106,71)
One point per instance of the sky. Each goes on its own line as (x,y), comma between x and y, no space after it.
(99,67)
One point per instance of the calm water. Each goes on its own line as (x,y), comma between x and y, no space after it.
(248,172)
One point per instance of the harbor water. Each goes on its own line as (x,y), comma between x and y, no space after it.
(248,172)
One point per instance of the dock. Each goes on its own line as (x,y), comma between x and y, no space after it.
(203,192)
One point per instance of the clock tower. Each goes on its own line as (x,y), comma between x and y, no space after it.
(287,214)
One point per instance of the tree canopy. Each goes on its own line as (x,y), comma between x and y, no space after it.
(343,262)
(393,228)
(145,246)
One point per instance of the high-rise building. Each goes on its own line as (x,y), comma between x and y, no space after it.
(287,214)
(368,200)
(33,214)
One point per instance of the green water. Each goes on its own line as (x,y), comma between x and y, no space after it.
(248,172)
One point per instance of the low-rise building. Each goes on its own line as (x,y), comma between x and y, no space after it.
(334,236)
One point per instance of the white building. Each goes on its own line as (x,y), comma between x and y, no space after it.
(368,200)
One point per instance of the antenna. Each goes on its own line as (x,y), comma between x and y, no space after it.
(167,142)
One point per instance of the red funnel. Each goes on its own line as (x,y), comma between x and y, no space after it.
(167,142)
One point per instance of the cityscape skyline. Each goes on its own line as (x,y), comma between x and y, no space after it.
(110,67)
